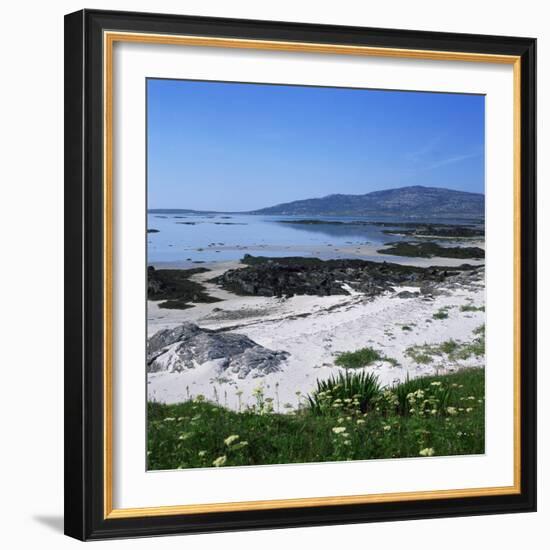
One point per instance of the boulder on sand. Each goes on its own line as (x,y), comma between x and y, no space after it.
(189,346)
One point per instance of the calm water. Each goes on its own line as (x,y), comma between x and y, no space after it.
(184,239)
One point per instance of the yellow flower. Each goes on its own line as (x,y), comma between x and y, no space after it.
(428,451)
(220,461)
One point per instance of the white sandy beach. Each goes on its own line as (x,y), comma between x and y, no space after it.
(313,330)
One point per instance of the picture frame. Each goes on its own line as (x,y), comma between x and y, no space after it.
(90,294)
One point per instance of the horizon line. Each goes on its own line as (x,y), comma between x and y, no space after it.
(317,198)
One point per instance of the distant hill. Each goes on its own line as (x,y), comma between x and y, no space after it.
(414,201)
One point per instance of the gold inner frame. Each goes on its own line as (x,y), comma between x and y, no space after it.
(109,39)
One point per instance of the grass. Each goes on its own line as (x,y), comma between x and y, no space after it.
(453,349)
(441,313)
(441,415)
(470,307)
(361,358)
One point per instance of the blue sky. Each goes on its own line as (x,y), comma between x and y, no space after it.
(227,146)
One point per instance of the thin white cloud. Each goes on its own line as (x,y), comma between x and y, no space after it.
(452,160)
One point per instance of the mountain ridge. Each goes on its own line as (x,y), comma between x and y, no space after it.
(411,201)
(416,200)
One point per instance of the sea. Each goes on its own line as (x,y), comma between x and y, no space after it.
(188,239)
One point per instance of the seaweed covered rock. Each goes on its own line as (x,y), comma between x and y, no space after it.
(310,276)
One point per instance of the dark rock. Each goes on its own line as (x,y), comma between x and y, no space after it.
(174,286)
(310,276)
(429,250)
(407,294)
(437,230)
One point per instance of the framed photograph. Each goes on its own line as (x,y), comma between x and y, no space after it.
(300,274)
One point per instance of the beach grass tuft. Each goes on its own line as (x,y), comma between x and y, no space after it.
(360,358)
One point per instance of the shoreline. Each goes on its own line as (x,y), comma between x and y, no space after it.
(313,330)
(360,252)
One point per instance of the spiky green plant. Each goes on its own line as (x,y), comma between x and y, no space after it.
(358,387)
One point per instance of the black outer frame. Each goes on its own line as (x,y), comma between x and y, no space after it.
(84,518)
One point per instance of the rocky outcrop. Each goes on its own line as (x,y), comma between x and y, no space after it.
(431,250)
(311,276)
(174,286)
(189,346)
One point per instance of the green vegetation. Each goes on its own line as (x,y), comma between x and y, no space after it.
(470,307)
(349,417)
(361,358)
(360,388)
(441,313)
(357,359)
(454,350)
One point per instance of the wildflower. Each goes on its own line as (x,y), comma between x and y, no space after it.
(340,420)
(435,384)
(258,390)
(348,418)
(360,421)
(220,461)
(229,440)
(202,454)
(451,410)
(200,398)
(469,410)
(169,419)
(339,429)
(387,428)
(428,451)
(185,436)
(347,442)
